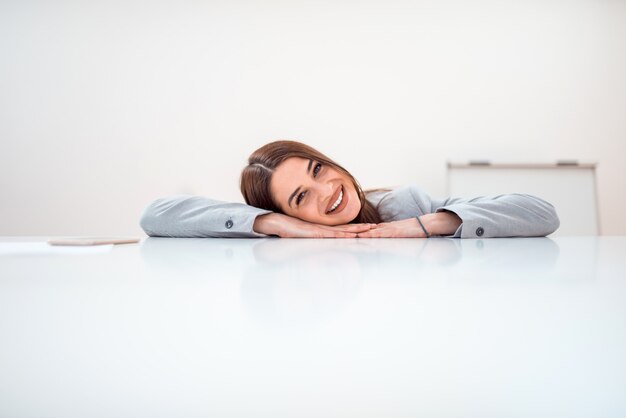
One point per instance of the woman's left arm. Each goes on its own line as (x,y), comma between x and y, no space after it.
(506,215)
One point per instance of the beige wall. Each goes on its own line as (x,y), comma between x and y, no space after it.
(106,107)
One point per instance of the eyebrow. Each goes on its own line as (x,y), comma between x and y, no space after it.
(308,170)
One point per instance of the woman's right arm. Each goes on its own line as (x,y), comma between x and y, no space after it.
(186,216)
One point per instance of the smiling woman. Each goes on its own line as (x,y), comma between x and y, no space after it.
(293,190)
(297,180)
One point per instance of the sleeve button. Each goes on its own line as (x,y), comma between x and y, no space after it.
(229,224)
(480,231)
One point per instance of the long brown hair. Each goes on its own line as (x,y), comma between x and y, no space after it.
(256,176)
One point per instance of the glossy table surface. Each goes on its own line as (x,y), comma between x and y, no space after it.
(531,327)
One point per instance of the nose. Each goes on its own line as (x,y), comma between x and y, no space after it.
(324,192)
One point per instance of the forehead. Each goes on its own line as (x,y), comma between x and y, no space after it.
(287,177)
(289,174)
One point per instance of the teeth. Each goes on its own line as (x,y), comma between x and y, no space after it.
(338,202)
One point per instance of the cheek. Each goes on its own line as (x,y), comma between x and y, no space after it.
(309,213)
(354,201)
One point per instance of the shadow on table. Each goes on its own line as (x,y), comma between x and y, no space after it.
(297,281)
(291,281)
(354,260)
(304,283)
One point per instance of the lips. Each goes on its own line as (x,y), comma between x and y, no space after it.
(334,198)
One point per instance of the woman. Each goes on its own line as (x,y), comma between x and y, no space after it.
(294,191)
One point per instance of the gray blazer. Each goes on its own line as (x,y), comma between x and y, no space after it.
(506,215)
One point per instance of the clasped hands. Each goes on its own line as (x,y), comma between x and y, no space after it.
(440,223)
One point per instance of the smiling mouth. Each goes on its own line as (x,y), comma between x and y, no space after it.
(338,202)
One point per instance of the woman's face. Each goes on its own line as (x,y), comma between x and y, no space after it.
(314,192)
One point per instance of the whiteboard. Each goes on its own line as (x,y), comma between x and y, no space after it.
(570,188)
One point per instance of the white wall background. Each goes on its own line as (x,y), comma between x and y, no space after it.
(106,106)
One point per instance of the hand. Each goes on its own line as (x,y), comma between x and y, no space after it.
(289,227)
(407,228)
(440,223)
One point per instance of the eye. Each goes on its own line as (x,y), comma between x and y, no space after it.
(317,169)
(299,198)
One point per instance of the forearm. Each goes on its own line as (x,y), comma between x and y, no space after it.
(508,215)
(267,224)
(185,216)
(441,223)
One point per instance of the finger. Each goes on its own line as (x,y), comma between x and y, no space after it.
(353,227)
(331,233)
(340,234)
(369,234)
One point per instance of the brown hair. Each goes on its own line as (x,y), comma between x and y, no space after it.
(256,176)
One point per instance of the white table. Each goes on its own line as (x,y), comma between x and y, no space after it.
(317,328)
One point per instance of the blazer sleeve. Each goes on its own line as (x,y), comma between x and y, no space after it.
(186,216)
(505,215)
